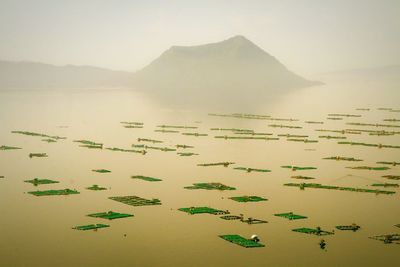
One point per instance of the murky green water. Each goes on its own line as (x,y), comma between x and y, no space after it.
(36,231)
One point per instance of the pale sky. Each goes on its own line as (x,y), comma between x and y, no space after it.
(308,36)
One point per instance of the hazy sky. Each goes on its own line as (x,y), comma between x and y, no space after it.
(308,36)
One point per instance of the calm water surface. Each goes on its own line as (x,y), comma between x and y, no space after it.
(36,231)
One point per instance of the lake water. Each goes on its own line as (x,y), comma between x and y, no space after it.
(37,231)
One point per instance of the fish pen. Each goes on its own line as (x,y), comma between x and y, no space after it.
(90,227)
(248,199)
(136,201)
(146,178)
(241,241)
(290,216)
(210,186)
(251,169)
(110,215)
(61,192)
(332,187)
(202,210)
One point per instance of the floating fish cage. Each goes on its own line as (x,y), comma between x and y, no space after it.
(166,131)
(136,201)
(351,189)
(248,199)
(101,171)
(177,126)
(343,158)
(392,177)
(126,150)
(210,186)
(393,163)
(344,115)
(146,178)
(386,185)
(225,164)
(369,168)
(201,210)
(332,137)
(297,168)
(38,134)
(290,216)
(38,155)
(195,134)
(245,137)
(90,227)
(149,140)
(302,177)
(37,181)
(187,154)
(241,241)
(9,147)
(312,231)
(95,187)
(251,169)
(284,126)
(388,238)
(110,215)
(184,146)
(61,192)
(352,227)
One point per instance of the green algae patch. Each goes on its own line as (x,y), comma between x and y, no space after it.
(225,164)
(290,216)
(201,210)
(210,186)
(251,169)
(136,201)
(101,171)
(312,231)
(332,187)
(61,192)
(90,227)
(9,147)
(241,241)
(95,187)
(248,199)
(110,215)
(297,168)
(38,181)
(146,178)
